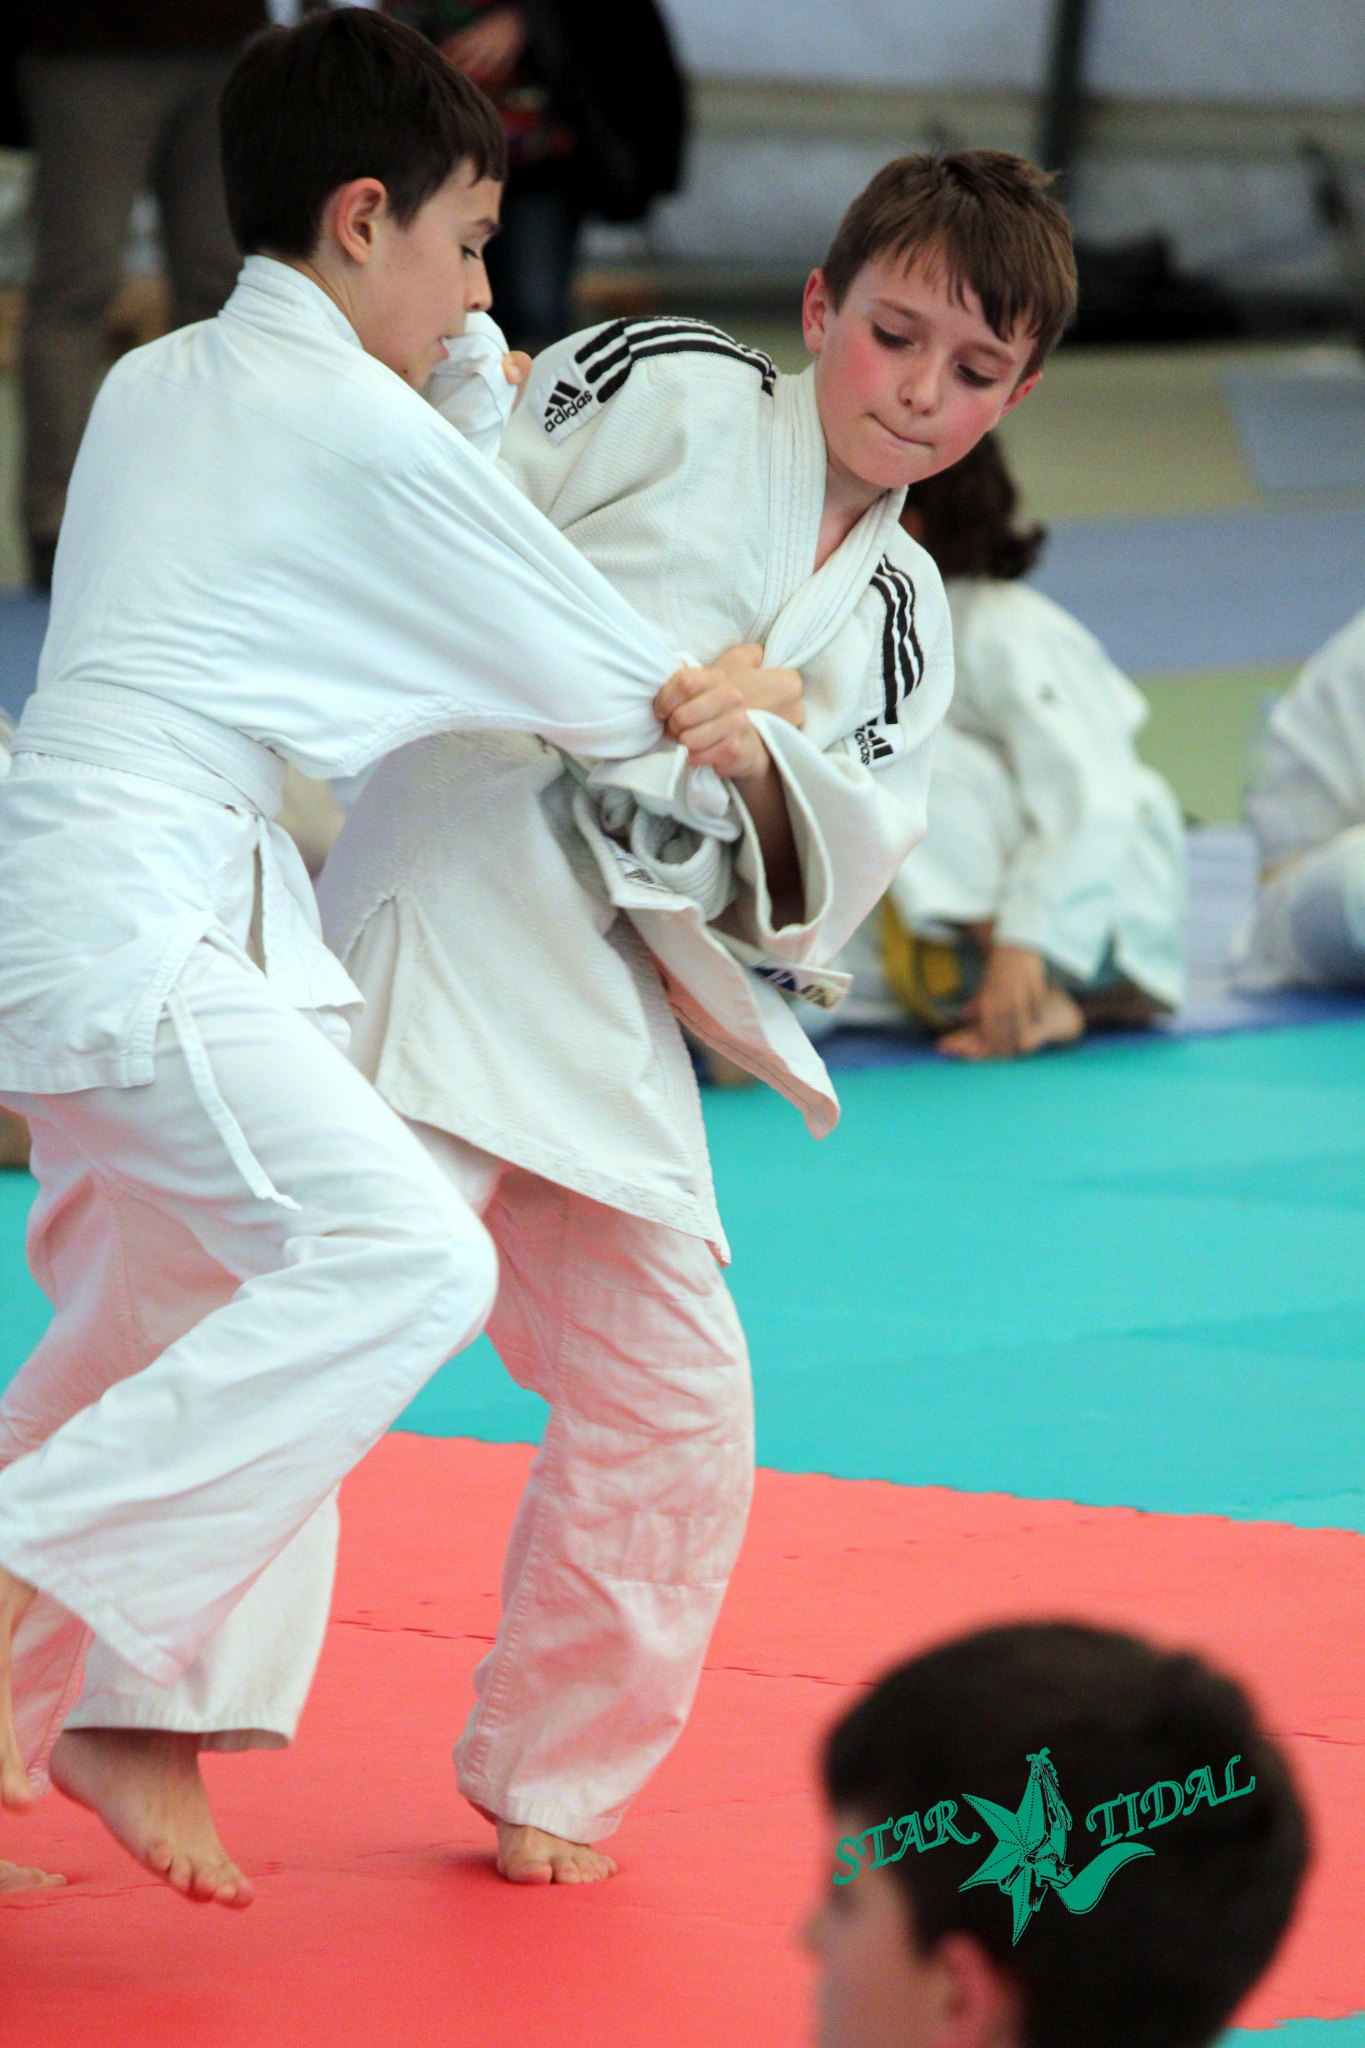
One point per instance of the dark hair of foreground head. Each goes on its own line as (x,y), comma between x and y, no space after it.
(1179,1936)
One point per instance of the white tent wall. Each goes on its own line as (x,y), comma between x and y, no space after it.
(1195,109)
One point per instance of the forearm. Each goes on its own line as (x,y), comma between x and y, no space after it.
(765,800)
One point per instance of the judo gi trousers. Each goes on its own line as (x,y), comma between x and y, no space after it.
(217,1360)
(1309,926)
(622,1545)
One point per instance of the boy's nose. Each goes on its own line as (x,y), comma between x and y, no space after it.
(478,296)
(921,387)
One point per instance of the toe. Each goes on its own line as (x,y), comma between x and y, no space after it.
(159,1857)
(23,1877)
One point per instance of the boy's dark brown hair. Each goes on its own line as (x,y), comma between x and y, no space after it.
(345,94)
(965,518)
(1181,1935)
(992,222)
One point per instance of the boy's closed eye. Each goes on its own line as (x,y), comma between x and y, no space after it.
(980,380)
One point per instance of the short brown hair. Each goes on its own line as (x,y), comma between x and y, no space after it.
(345,94)
(989,217)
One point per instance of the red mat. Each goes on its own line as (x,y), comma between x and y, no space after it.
(379,1922)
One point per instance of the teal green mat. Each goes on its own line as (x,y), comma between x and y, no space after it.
(1343,2033)
(1131,1275)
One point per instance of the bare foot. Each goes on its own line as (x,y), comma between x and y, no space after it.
(15,1790)
(19,1877)
(145,1786)
(530,1856)
(1060,1021)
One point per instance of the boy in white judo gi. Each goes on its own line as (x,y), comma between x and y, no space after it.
(275,551)
(1047,896)
(1306,807)
(528,940)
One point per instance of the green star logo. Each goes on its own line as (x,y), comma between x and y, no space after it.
(1029,1858)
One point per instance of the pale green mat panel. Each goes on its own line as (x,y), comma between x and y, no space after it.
(1128,1275)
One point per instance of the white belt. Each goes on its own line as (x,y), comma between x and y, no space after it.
(109,726)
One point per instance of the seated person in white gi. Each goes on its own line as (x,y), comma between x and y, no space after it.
(1047,895)
(275,552)
(1306,807)
(526,956)
(957,1915)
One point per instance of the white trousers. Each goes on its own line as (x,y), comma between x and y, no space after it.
(216,1361)
(623,1542)
(1309,924)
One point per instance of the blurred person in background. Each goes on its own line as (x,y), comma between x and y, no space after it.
(118,95)
(1306,807)
(594,108)
(1047,895)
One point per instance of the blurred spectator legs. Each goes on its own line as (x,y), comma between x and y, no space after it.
(104,126)
(531,264)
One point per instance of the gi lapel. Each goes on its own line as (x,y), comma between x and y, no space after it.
(803,609)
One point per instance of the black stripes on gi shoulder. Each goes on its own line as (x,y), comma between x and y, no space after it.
(902,655)
(607,360)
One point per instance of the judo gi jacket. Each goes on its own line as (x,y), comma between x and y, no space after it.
(1091,840)
(265,536)
(1310,780)
(536,964)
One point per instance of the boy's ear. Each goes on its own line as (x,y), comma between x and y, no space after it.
(1021,392)
(815,311)
(353,215)
(970,1999)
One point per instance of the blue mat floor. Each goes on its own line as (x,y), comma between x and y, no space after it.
(1210,590)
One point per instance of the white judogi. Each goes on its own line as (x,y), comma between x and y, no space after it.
(527,1016)
(1042,817)
(273,552)
(521,973)
(523,1025)
(1306,807)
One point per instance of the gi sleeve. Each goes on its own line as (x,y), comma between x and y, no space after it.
(859,805)
(470,388)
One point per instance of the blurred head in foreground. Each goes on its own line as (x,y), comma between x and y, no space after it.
(1051,1836)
